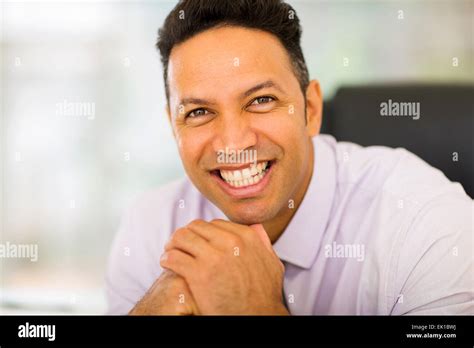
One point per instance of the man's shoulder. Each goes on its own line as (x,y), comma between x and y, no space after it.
(145,227)
(391,171)
(414,220)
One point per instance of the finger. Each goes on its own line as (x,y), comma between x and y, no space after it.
(178,262)
(262,234)
(239,231)
(190,242)
(228,226)
(217,236)
(236,228)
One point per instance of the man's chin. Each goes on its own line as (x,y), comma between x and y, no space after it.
(248,216)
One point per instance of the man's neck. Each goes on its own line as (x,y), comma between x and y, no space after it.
(277,226)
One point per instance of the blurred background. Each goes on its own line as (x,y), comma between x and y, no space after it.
(83,129)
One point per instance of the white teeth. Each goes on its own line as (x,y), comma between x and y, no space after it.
(245,177)
(237,175)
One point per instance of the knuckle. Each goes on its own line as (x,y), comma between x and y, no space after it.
(234,241)
(196,223)
(179,234)
(249,235)
(171,257)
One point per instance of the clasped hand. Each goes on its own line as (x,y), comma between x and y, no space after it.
(217,268)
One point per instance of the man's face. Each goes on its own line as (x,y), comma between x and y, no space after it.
(233,89)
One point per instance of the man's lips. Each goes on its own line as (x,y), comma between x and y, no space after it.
(245,182)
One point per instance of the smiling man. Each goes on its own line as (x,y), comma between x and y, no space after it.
(311,226)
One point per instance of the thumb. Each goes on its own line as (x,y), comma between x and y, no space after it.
(262,234)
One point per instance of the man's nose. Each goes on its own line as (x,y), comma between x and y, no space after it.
(234,132)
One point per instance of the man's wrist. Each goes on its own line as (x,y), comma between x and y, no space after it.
(277,309)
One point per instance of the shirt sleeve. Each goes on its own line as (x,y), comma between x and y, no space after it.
(119,298)
(132,267)
(435,269)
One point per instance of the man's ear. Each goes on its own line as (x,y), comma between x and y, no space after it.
(168,112)
(314,108)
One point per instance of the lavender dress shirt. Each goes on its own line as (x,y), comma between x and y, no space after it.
(379,232)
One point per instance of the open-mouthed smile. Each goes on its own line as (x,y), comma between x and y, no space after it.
(244,181)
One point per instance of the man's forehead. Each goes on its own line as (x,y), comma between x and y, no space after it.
(226,59)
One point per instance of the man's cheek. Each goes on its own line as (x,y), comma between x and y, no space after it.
(188,157)
(285,129)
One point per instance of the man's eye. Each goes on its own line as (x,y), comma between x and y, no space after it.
(197,113)
(262,100)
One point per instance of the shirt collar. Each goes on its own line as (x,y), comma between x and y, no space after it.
(300,242)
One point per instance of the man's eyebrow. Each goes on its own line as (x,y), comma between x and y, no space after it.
(266,84)
(198,101)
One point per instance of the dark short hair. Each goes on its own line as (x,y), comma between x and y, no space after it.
(191,17)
